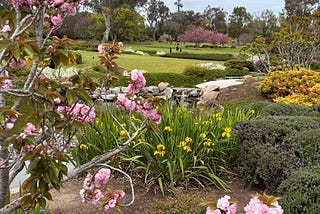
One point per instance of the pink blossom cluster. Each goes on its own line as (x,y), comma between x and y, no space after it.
(58,7)
(92,190)
(5,28)
(255,206)
(137,82)
(29,130)
(6,84)
(142,107)
(68,7)
(223,206)
(80,112)
(101,48)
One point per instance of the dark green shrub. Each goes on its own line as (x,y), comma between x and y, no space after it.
(176,80)
(240,64)
(196,71)
(185,55)
(313,111)
(205,74)
(235,72)
(257,106)
(266,155)
(301,192)
(278,109)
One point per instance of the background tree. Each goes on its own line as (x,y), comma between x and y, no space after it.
(156,13)
(298,40)
(195,35)
(178,4)
(217,18)
(127,25)
(106,8)
(179,22)
(239,21)
(300,7)
(84,26)
(268,22)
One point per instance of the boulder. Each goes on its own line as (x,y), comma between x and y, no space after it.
(248,79)
(163,85)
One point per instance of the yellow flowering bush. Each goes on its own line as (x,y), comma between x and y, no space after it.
(292,87)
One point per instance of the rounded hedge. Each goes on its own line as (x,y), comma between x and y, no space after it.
(301,191)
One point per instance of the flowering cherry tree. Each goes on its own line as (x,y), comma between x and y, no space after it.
(39,117)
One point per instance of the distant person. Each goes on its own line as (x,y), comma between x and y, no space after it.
(170,49)
(180,48)
(177,47)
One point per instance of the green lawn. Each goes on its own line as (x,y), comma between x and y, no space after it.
(152,64)
(161,46)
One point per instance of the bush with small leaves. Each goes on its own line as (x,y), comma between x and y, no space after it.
(262,144)
(301,191)
(240,64)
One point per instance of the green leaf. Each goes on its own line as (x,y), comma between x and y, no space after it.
(33,164)
(28,50)
(4,44)
(42,202)
(82,94)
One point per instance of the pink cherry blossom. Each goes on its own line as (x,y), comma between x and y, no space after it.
(30,129)
(112,203)
(210,211)
(6,84)
(223,202)
(120,44)
(102,177)
(101,49)
(88,183)
(232,209)
(56,20)
(57,100)
(106,207)
(9,126)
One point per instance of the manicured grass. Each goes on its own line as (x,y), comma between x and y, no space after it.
(152,64)
(157,46)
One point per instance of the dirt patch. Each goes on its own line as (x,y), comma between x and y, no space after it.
(240,93)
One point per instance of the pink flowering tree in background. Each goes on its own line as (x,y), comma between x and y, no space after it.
(199,35)
(39,117)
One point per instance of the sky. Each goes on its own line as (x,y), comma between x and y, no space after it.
(255,7)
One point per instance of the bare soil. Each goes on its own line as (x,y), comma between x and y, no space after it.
(67,200)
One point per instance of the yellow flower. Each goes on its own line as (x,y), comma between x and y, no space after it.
(123,133)
(208,142)
(161,147)
(206,122)
(252,111)
(218,116)
(203,135)
(226,132)
(159,153)
(187,148)
(123,125)
(188,140)
(167,129)
(209,150)
(182,143)
(83,146)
